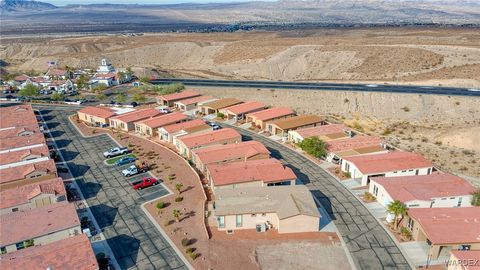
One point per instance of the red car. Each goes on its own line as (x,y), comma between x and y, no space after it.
(144,183)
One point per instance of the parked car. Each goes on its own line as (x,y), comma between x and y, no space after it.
(116,151)
(134,104)
(216,127)
(165,110)
(144,183)
(211,123)
(125,160)
(135,169)
(9,97)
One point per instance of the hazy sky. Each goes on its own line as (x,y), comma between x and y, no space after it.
(66,2)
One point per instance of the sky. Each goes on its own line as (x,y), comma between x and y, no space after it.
(66,2)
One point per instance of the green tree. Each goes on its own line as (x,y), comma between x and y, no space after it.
(145,79)
(176,214)
(29,90)
(314,146)
(82,81)
(179,187)
(57,96)
(139,97)
(398,209)
(99,88)
(476,198)
(29,243)
(100,96)
(129,71)
(121,75)
(121,98)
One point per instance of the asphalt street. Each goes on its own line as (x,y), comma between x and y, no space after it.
(368,243)
(408,89)
(134,240)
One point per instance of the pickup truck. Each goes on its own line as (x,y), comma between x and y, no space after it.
(135,169)
(144,183)
(116,151)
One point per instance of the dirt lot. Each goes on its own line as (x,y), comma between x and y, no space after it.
(414,56)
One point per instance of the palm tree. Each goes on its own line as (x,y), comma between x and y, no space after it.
(177,214)
(398,209)
(178,187)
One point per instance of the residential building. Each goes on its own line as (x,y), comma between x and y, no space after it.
(190,131)
(106,74)
(24,156)
(44,169)
(218,154)
(149,127)
(98,116)
(17,116)
(239,111)
(170,99)
(192,103)
(167,133)
(354,146)
(39,226)
(32,195)
(464,260)
(324,132)
(445,228)
(57,74)
(250,173)
(261,118)
(187,143)
(281,127)
(12,132)
(214,106)
(126,121)
(288,209)
(423,191)
(70,253)
(391,164)
(21,141)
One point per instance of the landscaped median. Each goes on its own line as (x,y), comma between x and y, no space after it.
(111,161)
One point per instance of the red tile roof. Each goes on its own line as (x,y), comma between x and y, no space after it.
(28,224)
(466,256)
(322,130)
(188,124)
(71,253)
(271,113)
(163,120)
(22,194)
(15,142)
(179,96)
(265,170)
(195,100)
(17,116)
(17,131)
(98,112)
(424,187)
(241,150)
(243,108)
(56,72)
(393,161)
(109,75)
(460,225)
(16,156)
(137,115)
(19,172)
(353,143)
(194,140)
(20,78)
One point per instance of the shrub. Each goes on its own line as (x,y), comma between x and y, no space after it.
(160,205)
(424,139)
(406,233)
(438,143)
(368,196)
(386,131)
(179,199)
(194,255)
(405,109)
(185,242)
(347,174)
(190,250)
(476,198)
(314,146)
(220,115)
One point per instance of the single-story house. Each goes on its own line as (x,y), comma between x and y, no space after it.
(19,131)
(21,141)
(215,106)
(324,132)
(167,133)
(17,116)
(126,121)
(423,191)
(239,111)
(25,155)
(445,228)
(70,253)
(45,169)
(391,164)
(187,143)
(98,116)
(39,226)
(29,196)
(250,173)
(281,127)
(192,103)
(190,131)
(55,73)
(288,209)
(464,260)
(261,118)
(219,154)
(108,79)
(354,146)
(149,127)
(170,99)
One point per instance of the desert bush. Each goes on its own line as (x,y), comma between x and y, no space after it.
(190,250)
(194,255)
(179,199)
(405,109)
(185,242)
(160,205)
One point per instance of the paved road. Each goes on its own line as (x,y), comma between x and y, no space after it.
(370,246)
(134,240)
(452,91)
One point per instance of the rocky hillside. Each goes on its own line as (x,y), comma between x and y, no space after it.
(24,5)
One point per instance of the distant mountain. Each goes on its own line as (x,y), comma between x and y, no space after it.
(24,5)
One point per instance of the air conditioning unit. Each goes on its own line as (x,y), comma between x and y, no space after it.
(262,227)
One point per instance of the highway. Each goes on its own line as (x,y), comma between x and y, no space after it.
(405,89)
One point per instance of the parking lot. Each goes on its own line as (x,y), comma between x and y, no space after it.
(134,240)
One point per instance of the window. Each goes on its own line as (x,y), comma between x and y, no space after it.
(20,245)
(429,170)
(459,203)
(239,219)
(410,224)
(221,221)
(3,250)
(14,209)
